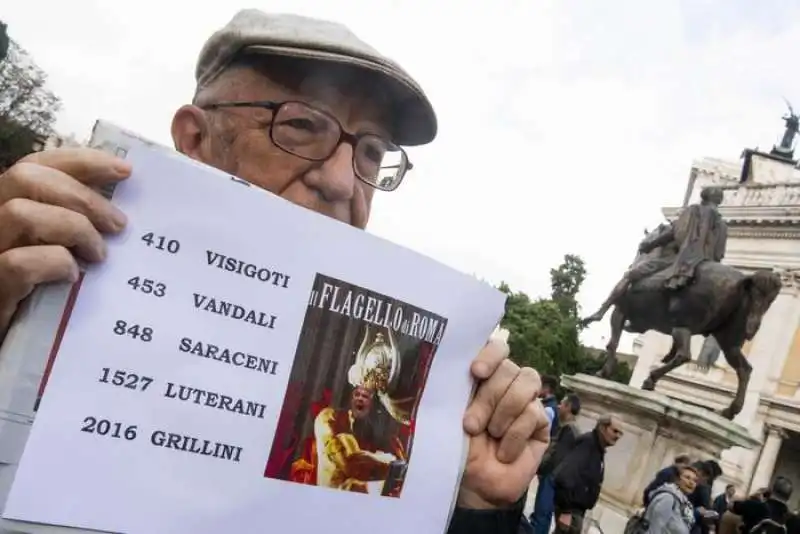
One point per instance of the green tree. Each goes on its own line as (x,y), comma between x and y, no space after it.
(565,283)
(541,336)
(27,107)
(4,41)
(544,333)
(594,362)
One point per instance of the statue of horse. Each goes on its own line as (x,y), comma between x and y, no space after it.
(721,302)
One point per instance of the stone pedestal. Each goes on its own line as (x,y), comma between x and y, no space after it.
(657,428)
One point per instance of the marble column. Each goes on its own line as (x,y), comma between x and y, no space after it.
(652,347)
(791,296)
(772,341)
(765,468)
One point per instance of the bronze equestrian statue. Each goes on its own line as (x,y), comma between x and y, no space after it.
(677,286)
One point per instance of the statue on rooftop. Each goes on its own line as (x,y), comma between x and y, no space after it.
(786,147)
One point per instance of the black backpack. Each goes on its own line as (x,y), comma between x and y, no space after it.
(638,524)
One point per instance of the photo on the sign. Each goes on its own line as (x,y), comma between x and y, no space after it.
(358,376)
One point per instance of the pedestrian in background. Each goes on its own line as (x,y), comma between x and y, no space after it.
(565,438)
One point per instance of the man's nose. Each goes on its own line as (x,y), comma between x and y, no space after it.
(335,179)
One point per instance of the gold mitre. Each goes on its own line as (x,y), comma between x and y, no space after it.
(377,362)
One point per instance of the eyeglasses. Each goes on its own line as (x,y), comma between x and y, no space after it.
(314,135)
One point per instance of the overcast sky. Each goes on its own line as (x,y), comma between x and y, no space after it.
(565,125)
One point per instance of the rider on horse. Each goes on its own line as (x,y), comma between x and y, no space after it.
(700,234)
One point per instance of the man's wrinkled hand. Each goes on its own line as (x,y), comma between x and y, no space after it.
(49,215)
(508,430)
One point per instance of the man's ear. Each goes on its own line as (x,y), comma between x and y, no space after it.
(189,132)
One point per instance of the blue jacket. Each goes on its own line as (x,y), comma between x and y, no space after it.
(552,403)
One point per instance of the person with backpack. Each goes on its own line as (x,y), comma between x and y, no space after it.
(766,516)
(544,505)
(667,474)
(669,510)
(579,476)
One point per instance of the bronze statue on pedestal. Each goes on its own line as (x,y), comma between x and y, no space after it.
(678,286)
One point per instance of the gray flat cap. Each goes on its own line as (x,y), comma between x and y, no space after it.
(252,30)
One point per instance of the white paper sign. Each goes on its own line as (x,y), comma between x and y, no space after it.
(240,364)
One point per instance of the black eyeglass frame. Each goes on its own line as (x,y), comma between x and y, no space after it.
(344,135)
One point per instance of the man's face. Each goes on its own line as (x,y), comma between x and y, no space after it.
(611,433)
(237,141)
(731,491)
(361,402)
(564,409)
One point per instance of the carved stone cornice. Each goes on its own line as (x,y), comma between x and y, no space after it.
(750,215)
(761,214)
(754,203)
(745,232)
(752,194)
(717,171)
(781,413)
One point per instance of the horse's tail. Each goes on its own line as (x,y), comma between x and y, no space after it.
(762,288)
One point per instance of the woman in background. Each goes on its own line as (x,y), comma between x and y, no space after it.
(669,510)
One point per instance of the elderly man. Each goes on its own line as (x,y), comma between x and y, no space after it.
(306,110)
(579,476)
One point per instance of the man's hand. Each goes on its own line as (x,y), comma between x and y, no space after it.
(508,431)
(49,215)
(565,519)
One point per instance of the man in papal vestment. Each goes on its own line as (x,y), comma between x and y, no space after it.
(350,456)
